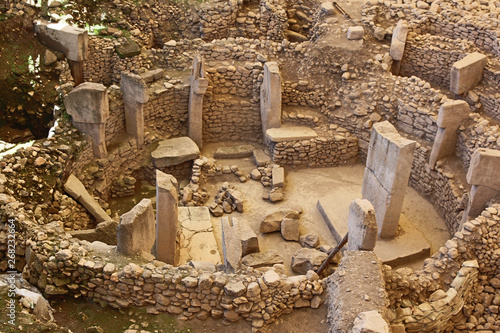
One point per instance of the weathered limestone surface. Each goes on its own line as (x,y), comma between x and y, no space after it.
(278,176)
(290,133)
(388,167)
(479,197)
(399,40)
(345,299)
(262,259)
(136,231)
(270,97)
(135,95)
(249,240)
(467,73)
(356,32)
(484,168)
(104,232)
(234,151)
(175,151)
(370,322)
(231,243)
(72,41)
(451,115)
(362,226)
(77,191)
(199,85)
(89,108)
(166,218)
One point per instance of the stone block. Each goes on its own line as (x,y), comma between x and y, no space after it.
(175,151)
(290,133)
(166,218)
(398,42)
(77,191)
(88,103)
(356,32)
(136,231)
(478,199)
(72,41)
(260,157)
(362,226)
(484,168)
(262,259)
(231,243)
(290,229)
(304,260)
(278,176)
(134,87)
(249,240)
(453,113)
(234,151)
(467,73)
(370,322)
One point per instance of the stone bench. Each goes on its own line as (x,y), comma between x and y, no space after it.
(175,151)
(290,133)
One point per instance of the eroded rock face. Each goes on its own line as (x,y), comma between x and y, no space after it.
(307,259)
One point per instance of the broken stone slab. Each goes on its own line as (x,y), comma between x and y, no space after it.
(236,198)
(309,240)
(77,191)
(362,226)
(262,259)
(466,73)
(304,260)
(293,36)
(231,243)
(136,230)
(290,229)
(327,8)
(278,177)
(398,42)
(484,168)
(290,133)
(451,115)
(104,232)
(272,222)
(70,40)
(175,151)
(249,240)
(234,151)
(356,32)
(167,218)
(153,75)
(370,322)
(203,266)
(276,194)
(260,157)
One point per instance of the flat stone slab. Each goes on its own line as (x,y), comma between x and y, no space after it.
(174,152)
(409,245)
(197,237)
(234,151)
(290,133)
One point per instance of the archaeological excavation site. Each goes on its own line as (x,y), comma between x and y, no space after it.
(250,166)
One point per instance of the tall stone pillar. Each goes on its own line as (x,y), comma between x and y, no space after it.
(388,167)
(451,115)
(166,218)
(89,108)
(135,95)
(136,231)
(270,97)
(398,44)
(466,73)
(483,174)
(199,86)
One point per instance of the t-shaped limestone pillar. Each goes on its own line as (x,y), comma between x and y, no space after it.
(467,73)
(388,167)
(199,86)
(166,218)
(451,115)
(89,107)
(72,41)
(135,94)
(270,97)
(483,174)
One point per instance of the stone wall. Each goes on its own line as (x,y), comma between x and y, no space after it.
(331,148)
(61,265)
(431,57)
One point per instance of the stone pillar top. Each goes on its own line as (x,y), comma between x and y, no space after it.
(88,103)
(133,86)
(70,40)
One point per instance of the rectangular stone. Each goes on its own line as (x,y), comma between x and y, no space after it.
(231,243)
(278,177)
(136,231)
(362,226)
(484,168)
(166,218)
(175,151)
(290,133)
(398,42)
(467,73)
